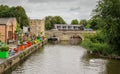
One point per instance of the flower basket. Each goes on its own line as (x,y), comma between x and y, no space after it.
(29,44)
(4,54)
(35,41)
(15,50)
(25,46)
(21,47)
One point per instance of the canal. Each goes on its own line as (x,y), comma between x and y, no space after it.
(66,59)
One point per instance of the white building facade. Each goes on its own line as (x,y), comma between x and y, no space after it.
(69,27)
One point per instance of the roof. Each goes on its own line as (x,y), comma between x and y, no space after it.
(5,20)
(67,25)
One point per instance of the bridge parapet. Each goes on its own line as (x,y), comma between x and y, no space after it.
(65,35)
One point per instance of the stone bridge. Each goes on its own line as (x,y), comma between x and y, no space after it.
(66,35)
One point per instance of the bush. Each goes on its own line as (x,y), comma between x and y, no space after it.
(5,48)
(96,44)
(87,43)
(102,48)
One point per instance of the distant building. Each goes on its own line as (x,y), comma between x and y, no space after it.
(69,27)
(7,29)
(37,26)
(25,29)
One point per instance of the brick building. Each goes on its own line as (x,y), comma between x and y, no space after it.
(7,29)
(37,26)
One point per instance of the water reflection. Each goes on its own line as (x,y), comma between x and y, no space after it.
(93,65)
(113,67)
(107,66)
(67,59)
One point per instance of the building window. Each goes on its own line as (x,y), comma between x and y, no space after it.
(58,27)
(79,28)
(64,27)
(75,27)
(69,27)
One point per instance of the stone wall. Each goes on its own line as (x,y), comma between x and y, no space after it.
(66,35)
(37,26)
(9,64)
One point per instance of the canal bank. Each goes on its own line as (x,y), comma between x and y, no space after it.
(11,63)
(103,56)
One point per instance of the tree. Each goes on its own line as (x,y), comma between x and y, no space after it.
(50,21)
(109,11)
(58,20)
(75,22)
(17,28)
(83,22)
(4,11)
(95,23)
(21,16)
(17,12)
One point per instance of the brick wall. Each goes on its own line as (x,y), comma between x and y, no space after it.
(2,31)
(9,27)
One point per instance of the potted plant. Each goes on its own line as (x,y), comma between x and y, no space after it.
(29,42)
(20,44)
(4,48)
(25,45)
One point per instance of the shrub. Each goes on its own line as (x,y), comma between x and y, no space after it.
(87,43)
(4,48)
(96,44)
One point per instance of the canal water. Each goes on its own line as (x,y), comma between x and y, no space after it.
(66,59)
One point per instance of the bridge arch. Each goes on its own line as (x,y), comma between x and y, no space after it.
(75,39)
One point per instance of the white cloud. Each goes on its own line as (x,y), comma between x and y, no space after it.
(68,9)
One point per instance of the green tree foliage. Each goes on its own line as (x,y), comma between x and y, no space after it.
(95,23)
(17,28)
(17,12)
(0,35)
(58,20)
(4,11)
(83,22)
(50,21)
(96,43)
(75,22)
(109,11)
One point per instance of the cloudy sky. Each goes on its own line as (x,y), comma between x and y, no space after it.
(68,9)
